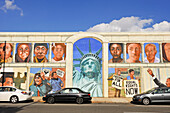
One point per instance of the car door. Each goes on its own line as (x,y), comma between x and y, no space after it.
(62,95)
(167,95)
(6,94)
(72,95)
(2,94)
(157,95)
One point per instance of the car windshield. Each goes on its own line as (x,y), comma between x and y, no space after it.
(149,91)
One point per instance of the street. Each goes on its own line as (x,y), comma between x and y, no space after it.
(35,107)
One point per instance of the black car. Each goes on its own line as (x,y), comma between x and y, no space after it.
(157,94)
(68,94)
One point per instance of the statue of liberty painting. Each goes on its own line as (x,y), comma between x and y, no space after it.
(89,77)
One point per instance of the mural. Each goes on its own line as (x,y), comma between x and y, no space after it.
(46,80)
(133,51)
(166,52)
(151,53)
(9,52)
(87,67)
(23,52)
(124,82)
(116,53)
(14,77)
(40,52)
(58,52)
(156,77)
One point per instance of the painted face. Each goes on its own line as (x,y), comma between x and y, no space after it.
(119,72)
(134,51)
(8,82)
(55,75)
(23,51)
(89,68)
(132,73)
(168,82)
(167,50)
(150,53)
(116,50)
(58,51)
(8,50)
(38,80)
(40,52)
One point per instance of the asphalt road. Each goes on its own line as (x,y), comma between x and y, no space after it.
(35,107)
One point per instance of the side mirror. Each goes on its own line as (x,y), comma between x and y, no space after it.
(152,93)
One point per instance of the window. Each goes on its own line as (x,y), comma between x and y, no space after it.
(1,89)
(159,91)
(75,91)
(167,90)
(65,91)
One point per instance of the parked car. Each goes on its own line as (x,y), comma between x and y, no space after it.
(68,94)
(12,94)
(158,94)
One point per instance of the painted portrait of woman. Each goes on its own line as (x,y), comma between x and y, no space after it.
(8,52)
(23,52)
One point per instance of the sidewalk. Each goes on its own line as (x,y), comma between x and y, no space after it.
(111,100)
(97,100)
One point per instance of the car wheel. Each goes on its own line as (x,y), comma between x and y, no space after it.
(50,100)
(146,101)
(14,99)
(79,100)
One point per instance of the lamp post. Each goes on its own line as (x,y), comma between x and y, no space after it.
(4,49)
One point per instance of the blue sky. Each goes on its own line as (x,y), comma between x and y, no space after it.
(81,15)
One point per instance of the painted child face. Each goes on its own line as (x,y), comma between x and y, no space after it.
(58,51)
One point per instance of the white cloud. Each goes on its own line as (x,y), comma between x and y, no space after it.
(130,24)
(9,5)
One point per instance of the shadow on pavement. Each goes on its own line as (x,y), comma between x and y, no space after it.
(26,101)
(156,103)
(14,109)
(69,102)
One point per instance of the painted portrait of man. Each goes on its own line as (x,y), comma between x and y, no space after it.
(8,79)
(133,51)
(166,52)
(40,51)
(152,53)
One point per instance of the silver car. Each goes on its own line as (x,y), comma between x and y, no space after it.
(158,94)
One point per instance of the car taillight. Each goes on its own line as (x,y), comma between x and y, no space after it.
(89,94)
(24,92)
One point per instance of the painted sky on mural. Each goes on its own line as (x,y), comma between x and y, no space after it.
(84,15)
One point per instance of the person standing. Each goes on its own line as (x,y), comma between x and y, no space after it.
(56,82)
(118,91)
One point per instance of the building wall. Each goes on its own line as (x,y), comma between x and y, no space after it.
(69,38)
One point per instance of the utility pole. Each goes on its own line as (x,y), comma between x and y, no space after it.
(4,49)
